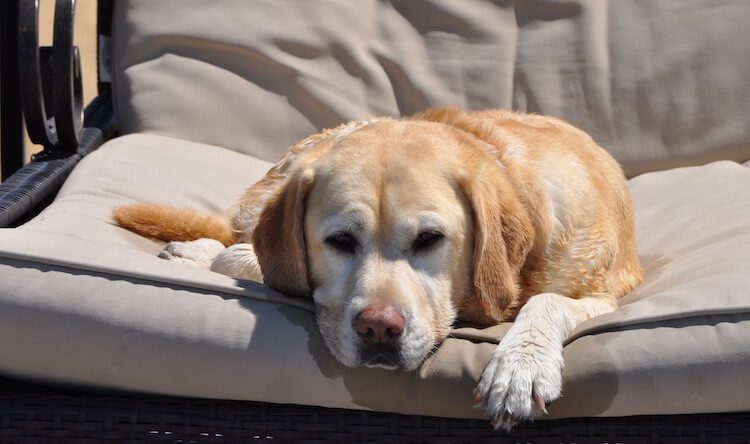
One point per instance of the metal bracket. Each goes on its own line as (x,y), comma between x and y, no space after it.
(50,79)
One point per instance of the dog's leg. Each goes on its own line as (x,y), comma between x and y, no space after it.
(198,253)
(524,372)
(238,261)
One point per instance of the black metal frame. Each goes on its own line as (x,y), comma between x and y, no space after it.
(45,83)
(11,118)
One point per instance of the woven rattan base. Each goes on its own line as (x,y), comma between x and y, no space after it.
(37,414)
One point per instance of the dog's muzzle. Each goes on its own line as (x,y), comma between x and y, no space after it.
(379,329)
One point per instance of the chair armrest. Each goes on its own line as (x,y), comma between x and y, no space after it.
(47,82)
(33,186)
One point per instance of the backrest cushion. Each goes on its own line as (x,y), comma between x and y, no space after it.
(658,83)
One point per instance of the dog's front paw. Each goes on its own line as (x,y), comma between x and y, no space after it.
(519,380)
(198,253)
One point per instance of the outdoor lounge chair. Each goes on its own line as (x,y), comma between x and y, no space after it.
(100,339)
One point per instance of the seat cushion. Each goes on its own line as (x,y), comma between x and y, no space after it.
(262,75)
(85,302)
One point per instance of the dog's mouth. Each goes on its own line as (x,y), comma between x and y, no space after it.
(386,358)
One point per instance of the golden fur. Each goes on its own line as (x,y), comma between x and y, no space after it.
(516,247)
(526,206)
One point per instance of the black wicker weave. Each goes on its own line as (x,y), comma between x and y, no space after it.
(39,414)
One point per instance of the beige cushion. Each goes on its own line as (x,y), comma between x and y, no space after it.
(658,83)
(85,302)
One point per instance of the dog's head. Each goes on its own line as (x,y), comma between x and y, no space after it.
(394,229)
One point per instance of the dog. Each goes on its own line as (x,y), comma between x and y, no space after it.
(398,227)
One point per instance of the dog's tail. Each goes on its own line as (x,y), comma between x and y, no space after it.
(173,224)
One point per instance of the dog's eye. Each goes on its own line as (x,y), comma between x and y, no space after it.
(343,242)
(427,239)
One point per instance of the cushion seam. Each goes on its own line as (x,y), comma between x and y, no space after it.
(244,292)
(106,271)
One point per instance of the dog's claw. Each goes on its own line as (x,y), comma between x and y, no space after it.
(539,401)
(478,398)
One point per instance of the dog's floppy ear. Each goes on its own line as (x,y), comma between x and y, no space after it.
(503,235)
(279,237)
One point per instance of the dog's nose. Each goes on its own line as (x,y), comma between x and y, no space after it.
(379,326)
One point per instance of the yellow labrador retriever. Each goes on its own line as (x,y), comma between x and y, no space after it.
(397,227)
